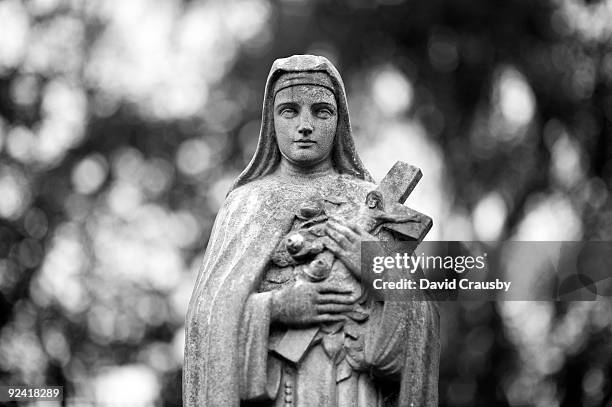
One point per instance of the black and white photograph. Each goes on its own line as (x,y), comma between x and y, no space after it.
(306,203)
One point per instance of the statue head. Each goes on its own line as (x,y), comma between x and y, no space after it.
(305,118)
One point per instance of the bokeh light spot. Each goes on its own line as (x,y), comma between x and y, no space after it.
(89,174)
(392,91)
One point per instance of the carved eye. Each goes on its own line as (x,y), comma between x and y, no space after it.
(374,200)
(288,112)
(324,113)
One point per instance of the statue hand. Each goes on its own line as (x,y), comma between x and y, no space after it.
(345,243)
(306,303)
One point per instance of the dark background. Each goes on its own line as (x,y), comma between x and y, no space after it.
(123,123)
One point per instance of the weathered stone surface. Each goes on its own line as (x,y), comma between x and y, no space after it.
(278,316)
(399,182)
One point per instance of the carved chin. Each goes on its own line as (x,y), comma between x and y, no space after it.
(306,156)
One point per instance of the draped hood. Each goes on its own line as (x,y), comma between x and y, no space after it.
(267,155)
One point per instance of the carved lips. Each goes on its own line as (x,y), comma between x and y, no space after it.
(305,142)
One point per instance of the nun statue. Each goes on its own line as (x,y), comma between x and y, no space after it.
(277,316)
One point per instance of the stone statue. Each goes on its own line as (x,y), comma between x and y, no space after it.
(278,316)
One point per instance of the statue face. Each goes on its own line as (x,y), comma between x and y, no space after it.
(305,118)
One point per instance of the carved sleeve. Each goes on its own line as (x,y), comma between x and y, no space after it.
(260,374)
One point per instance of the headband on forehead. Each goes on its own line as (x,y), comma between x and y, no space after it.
(304,78)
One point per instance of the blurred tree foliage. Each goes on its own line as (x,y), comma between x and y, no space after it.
(112,172)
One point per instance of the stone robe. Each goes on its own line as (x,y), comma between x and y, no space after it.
(229,356)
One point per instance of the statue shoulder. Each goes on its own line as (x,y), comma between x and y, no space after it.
(248,191)
(255,195)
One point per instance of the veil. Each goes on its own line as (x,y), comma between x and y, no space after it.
(267,156)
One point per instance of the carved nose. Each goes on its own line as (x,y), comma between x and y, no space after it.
(305,129)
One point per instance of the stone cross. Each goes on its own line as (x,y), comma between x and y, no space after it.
(396,186)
